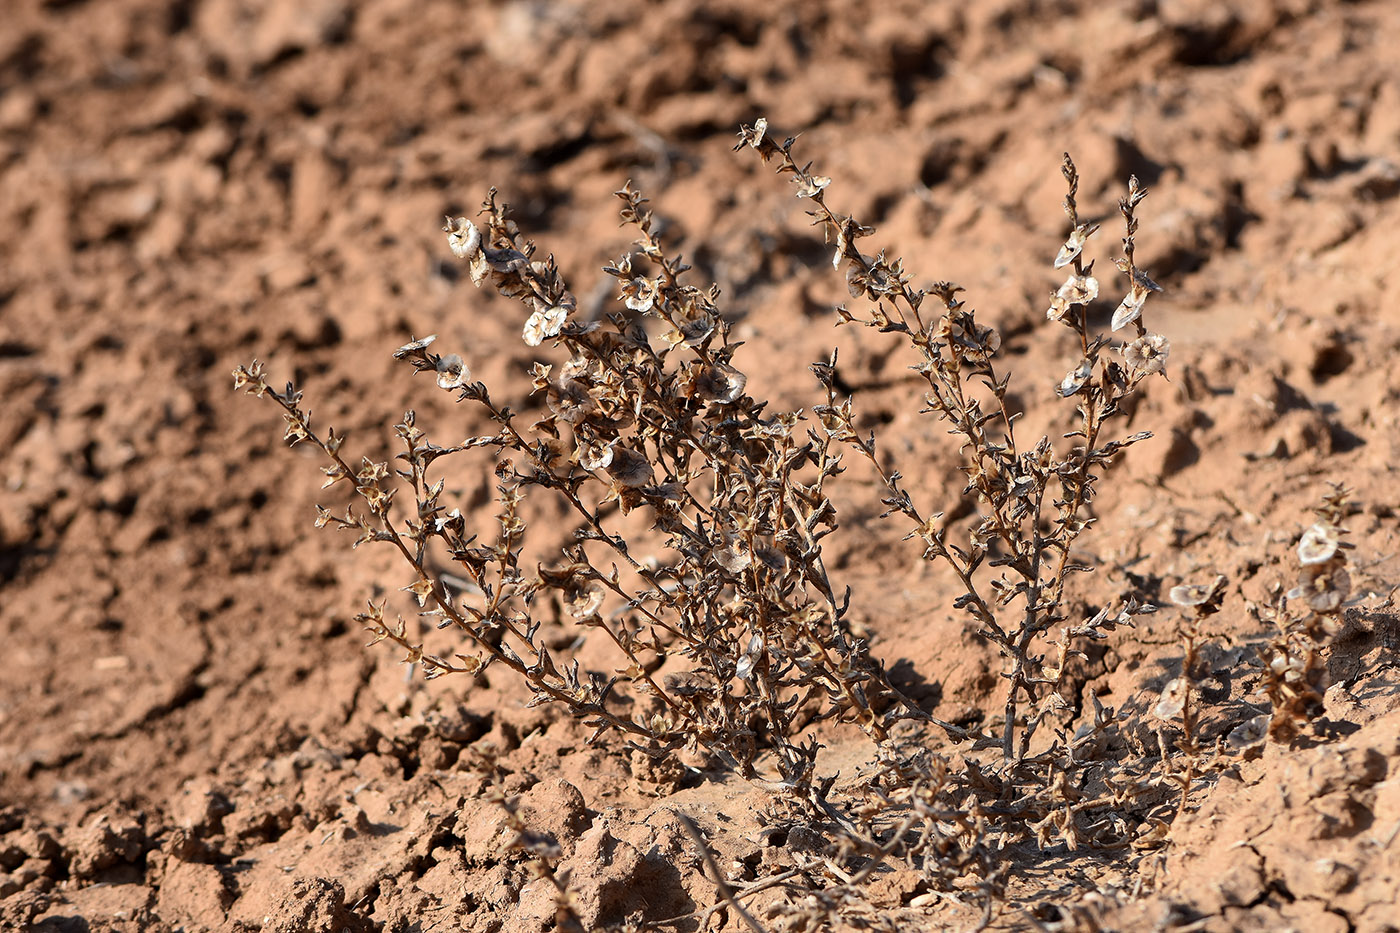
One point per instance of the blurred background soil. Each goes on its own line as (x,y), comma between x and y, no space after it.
(191,734)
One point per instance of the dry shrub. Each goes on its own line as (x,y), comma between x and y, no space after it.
(736,645)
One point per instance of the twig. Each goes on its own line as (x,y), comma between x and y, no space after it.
(724,889)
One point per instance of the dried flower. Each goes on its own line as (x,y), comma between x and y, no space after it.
(578,328)
(571,401)
(1130,309)
(1198,594)
(1079,289)
(296,430)
(733,557)
(629,467)
(1074,245)
(462,237)
(987,340)
(421,589)
(1324,586)
(583,598)
(578,367)
(545,322)
(452,521)
(1147,354)
(720,383)
(415,346)
(639,294)
(1249,733)
(752,652)
(1076,378)
(856,281)
(452,373)
(688,684)
(666,496)
(539,376)
(1172,700)
(753,135)
(1188,595)
(772,558)
(812,185)
(1143,279)
(1319,544)
(550,455)
(697,326)
(847,232)
(595,455)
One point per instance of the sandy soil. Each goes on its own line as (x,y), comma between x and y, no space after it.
(191,733)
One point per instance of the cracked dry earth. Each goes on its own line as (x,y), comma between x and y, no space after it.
(192,736)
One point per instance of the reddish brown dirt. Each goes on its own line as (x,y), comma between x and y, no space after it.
(191,735)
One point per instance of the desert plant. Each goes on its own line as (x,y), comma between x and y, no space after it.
(1031,499)
(737,641)
(1293,676)
(1015,557)
(738,495)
